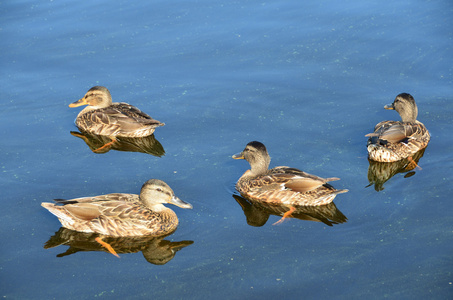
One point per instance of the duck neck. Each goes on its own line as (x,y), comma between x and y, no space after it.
(157,208)
(409,115)
(260,167)
(85,110)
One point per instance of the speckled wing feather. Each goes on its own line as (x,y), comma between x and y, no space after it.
(289,186)
(289,181)
(393,131)
(294,171)
(393,140)
(136,219)
(111,214)
(118,119)
(111,205)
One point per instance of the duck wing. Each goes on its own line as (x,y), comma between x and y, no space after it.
(395,132)
(110,205)
(297,180)
(297,172)
(124,116)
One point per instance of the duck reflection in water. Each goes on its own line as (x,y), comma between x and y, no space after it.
(156,250)
(257,213)
(380,172)
(103,144)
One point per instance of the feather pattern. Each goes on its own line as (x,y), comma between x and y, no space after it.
(121,214)
(395,140)
(281,185)
(102,117)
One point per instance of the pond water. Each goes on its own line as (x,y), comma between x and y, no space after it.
(307,78)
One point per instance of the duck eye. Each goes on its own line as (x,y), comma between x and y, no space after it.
(159,190)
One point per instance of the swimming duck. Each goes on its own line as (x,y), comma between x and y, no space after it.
(281,185)
(395,140)
(121,214)
(102,117)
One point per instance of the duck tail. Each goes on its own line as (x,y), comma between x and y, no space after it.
(332,179)
(341,191)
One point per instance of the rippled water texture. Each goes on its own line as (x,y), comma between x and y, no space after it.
(307,79)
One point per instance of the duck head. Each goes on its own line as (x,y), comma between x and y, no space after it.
(256,154)
(405,105)
(97,97)
(155,192)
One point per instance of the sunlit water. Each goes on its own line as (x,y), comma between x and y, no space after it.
(309,80)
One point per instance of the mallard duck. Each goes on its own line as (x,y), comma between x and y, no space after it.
(281,185)
(396,140)
(102,117)
(121,214)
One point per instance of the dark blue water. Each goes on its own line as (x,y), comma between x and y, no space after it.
(309,80)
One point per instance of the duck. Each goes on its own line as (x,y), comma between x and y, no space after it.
(121,215)
(119,119)
(281,185)
(392,141)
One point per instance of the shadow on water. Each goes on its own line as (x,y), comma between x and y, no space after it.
(102,144)
(307,78)
(257,213)
(156,250)
(380,172)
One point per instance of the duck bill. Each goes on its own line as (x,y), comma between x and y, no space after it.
(389,106)
(239,156)
(79,102)
(178,202)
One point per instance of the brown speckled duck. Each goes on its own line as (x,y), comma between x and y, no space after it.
(121,214)
(281,185)
(102,117)
(395,140)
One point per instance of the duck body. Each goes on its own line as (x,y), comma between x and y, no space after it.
(121,214)
(396,140)
(103,117)
(281,185)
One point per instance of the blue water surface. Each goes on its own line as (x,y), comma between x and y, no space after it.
(307,78)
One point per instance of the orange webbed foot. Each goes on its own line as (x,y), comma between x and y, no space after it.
(79,135)
(107,145)
(106,245)
(285,215)
(413,164)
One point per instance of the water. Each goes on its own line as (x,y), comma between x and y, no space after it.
(309,80)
